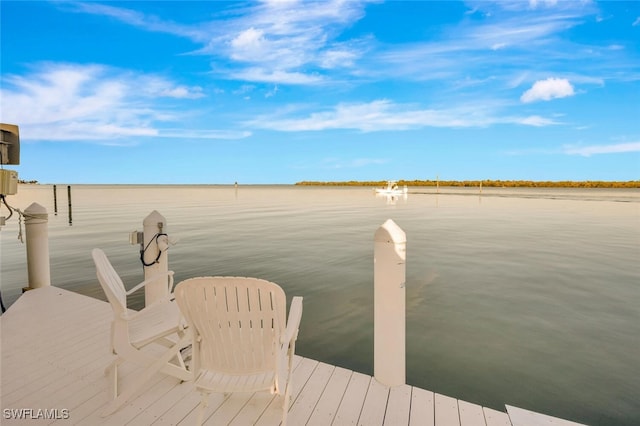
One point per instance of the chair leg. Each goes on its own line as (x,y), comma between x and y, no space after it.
(286,402)
(287,389)
(114,380)
(112,371)
(160,364)
(112,364)
(204,402)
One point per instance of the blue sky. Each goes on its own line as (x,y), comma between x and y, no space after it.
(284,91)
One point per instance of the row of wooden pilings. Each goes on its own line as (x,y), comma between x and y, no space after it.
(389,280)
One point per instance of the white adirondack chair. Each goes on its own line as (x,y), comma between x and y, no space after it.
(132,331)
(241,342)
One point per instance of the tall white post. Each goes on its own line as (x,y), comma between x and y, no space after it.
(36,224)
(390,255)
(155,257)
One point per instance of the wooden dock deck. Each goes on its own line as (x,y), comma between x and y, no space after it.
(54,346)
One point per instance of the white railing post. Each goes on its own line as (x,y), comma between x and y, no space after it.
(155,256)
(389,304)
(36,224)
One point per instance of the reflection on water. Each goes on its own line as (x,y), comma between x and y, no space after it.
(392,199)
(527,297)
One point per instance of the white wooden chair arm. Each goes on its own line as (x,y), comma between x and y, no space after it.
(293,322)
(129,315)
(152,279)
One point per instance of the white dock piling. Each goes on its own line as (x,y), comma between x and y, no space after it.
(389,304)
(155,256)
(36,221)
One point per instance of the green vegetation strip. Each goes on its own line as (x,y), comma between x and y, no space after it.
(487,183)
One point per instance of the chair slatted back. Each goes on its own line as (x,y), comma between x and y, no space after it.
(110,281)
(239,320)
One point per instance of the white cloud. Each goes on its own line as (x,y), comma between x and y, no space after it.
(536,121)
(271,92)
(92,103)
(587,151)
(297,42)
(277,76)
(636,22)
(507,43)
(337,58)
(250,38)
(155,86)
(545,90)
(533,4)
(135,18)
(384,115)
(287,40)
(183,92)
(283,39)
(250,45)
(203,134)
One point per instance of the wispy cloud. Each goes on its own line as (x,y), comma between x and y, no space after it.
(537,3)
(286,42)
(502,39)
(304,43)
(385,115)
(95,103)
(136,19)
(263,75)
(536,121)
(587,151)
(545,90)
(202,134)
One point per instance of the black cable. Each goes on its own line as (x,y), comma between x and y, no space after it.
(2,304)
(143,251)
(4,201)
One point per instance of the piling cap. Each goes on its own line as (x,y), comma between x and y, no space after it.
(153,219)
(390,232)
(35,213)
(36,208)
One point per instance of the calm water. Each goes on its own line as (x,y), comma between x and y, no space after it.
(527,297)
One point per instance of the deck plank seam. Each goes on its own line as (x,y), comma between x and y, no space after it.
(344,393)
(324,388)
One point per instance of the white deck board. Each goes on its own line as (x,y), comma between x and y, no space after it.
(375,404)
(398,406)
(496,418)
(470,414)
(305,403)
(228,410)
(446,410)
(352,400)
(422,408)
(54,349)
(327,406)
(301,375)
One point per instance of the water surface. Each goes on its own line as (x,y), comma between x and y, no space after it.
(528,297)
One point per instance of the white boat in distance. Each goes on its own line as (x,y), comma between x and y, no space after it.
(392,189)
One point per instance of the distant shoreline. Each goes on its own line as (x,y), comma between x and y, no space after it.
(633,184)
(486,183)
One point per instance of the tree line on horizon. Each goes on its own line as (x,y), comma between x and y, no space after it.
(487,183)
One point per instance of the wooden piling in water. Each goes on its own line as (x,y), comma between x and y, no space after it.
(55,200)
(69,198)
(37,232)
(389,304)
(155,256)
